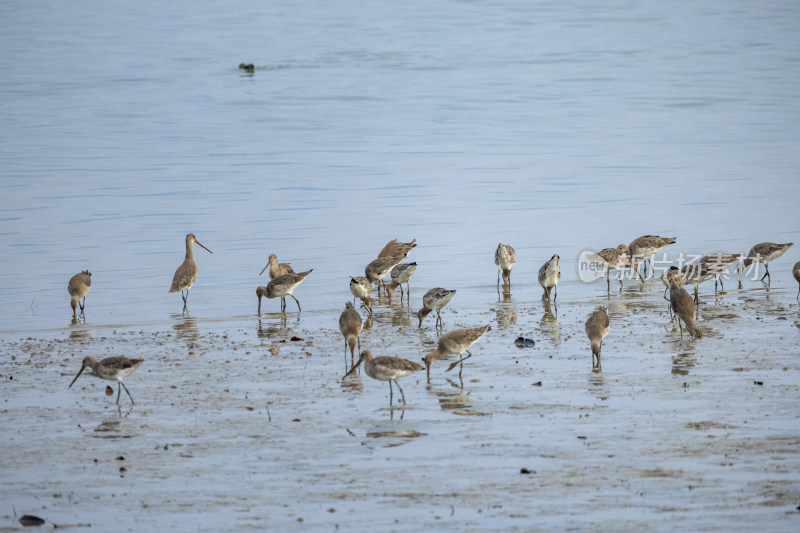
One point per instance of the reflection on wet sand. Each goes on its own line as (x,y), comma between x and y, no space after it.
(506,310)
(185,327)
(453,399)
(549,326)
(683,362)
(278,326)
(78,334)
(401,316)
(597,384)
(353,384)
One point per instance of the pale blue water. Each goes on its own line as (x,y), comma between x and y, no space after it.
(551,126)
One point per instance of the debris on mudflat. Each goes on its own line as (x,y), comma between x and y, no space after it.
(522,342)
(30,520)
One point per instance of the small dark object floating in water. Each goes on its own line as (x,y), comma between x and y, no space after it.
(248,67)
(30,520)
(526,471)
(522,342)
(295,338)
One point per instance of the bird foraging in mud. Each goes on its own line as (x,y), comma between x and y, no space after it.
(456,342)
(111,369)
(78,287)
(549,274)
(683,306)
(282,286)
(505,258)
(350,326)
(597,326)
(386,369)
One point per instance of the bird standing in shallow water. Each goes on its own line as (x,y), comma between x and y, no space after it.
(401,274)
(434,300)
(362,288)
(186,274)
(644,248)
(695,274)
(111,369)
(597,327)
(395,248)
(386,369)
(549,275)
(282,286)
(718,263)
(764,253)
(379,268)
(276,269)
(683,306)
(457,342)
(505,258)
(350,325)
(615,259)
(78,288)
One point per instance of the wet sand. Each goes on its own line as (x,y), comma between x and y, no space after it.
(237,427)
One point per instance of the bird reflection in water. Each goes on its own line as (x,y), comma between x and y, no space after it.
(186,330)
(79,334)
(454,399)
(549,325)
(682,363)
(277,326)
(597,384)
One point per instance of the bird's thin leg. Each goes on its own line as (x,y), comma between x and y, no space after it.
(403,396)
(555,293)
(679,326)
(766,272)
(283,303)
(298,303)
(696,295)
(126,390)
(390,392)
(408,293)
(119,390)
(798,293)
(401,294)
(498,278)
(721,285)
(608,282)
(636,268)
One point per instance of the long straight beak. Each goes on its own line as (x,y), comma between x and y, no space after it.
(263,269)
(76,377)
(352,369)
(203,247)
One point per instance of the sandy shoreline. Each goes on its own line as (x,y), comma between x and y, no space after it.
(238,427)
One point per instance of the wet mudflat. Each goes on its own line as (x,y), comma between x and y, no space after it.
(238,427)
